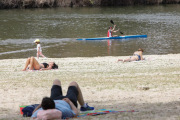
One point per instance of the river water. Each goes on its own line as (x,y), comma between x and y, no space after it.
(58,29)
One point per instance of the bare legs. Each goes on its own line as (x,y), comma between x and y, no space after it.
(80,96)
(128,59)
(114,35)
(73,83)
(27,63)
(33,64)
(40,53)
(124,60)
(57,82)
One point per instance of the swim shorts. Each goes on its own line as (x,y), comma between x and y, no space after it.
(72,93)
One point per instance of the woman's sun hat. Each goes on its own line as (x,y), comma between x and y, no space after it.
(37,40)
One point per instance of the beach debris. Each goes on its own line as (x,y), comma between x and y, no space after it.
(143,88)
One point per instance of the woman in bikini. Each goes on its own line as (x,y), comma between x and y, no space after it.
(136,56)
(34,65)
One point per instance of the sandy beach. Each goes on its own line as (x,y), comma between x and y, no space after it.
(104,84)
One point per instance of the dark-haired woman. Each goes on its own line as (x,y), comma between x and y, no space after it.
(136,56)
(34,65)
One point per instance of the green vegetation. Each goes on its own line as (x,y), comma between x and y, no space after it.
(10,4)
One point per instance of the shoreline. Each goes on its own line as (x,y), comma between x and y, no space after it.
(104,84)
(148,56)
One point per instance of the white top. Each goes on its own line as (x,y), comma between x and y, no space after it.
(39,47)
(110,33)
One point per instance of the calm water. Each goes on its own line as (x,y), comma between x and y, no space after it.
(58,28)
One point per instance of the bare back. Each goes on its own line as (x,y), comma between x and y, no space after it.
(138,55)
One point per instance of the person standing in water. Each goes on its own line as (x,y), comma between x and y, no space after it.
(39,50)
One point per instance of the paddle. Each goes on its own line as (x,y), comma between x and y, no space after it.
(113,24)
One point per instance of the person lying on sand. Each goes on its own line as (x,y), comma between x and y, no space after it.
(34,65)
(66,105)
(136,56)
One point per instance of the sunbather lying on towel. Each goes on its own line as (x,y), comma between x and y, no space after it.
(63,106)
(34,65)
(136,56)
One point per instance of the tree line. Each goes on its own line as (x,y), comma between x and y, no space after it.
(22,4)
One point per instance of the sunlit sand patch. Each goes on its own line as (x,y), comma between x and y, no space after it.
(104,83)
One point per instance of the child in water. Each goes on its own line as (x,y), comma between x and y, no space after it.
(39,50)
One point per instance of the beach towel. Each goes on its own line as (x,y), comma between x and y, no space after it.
(145,59)
(83,114)
(102,111)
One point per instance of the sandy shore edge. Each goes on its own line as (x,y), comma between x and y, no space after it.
(105,84)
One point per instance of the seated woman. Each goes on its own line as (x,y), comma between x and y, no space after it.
(136,56)
(34,65)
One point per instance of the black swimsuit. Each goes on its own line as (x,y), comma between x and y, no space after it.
(45,65)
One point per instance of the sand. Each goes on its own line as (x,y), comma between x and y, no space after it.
(152,86)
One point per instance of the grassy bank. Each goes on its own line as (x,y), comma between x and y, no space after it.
(105,84)
(10,4)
